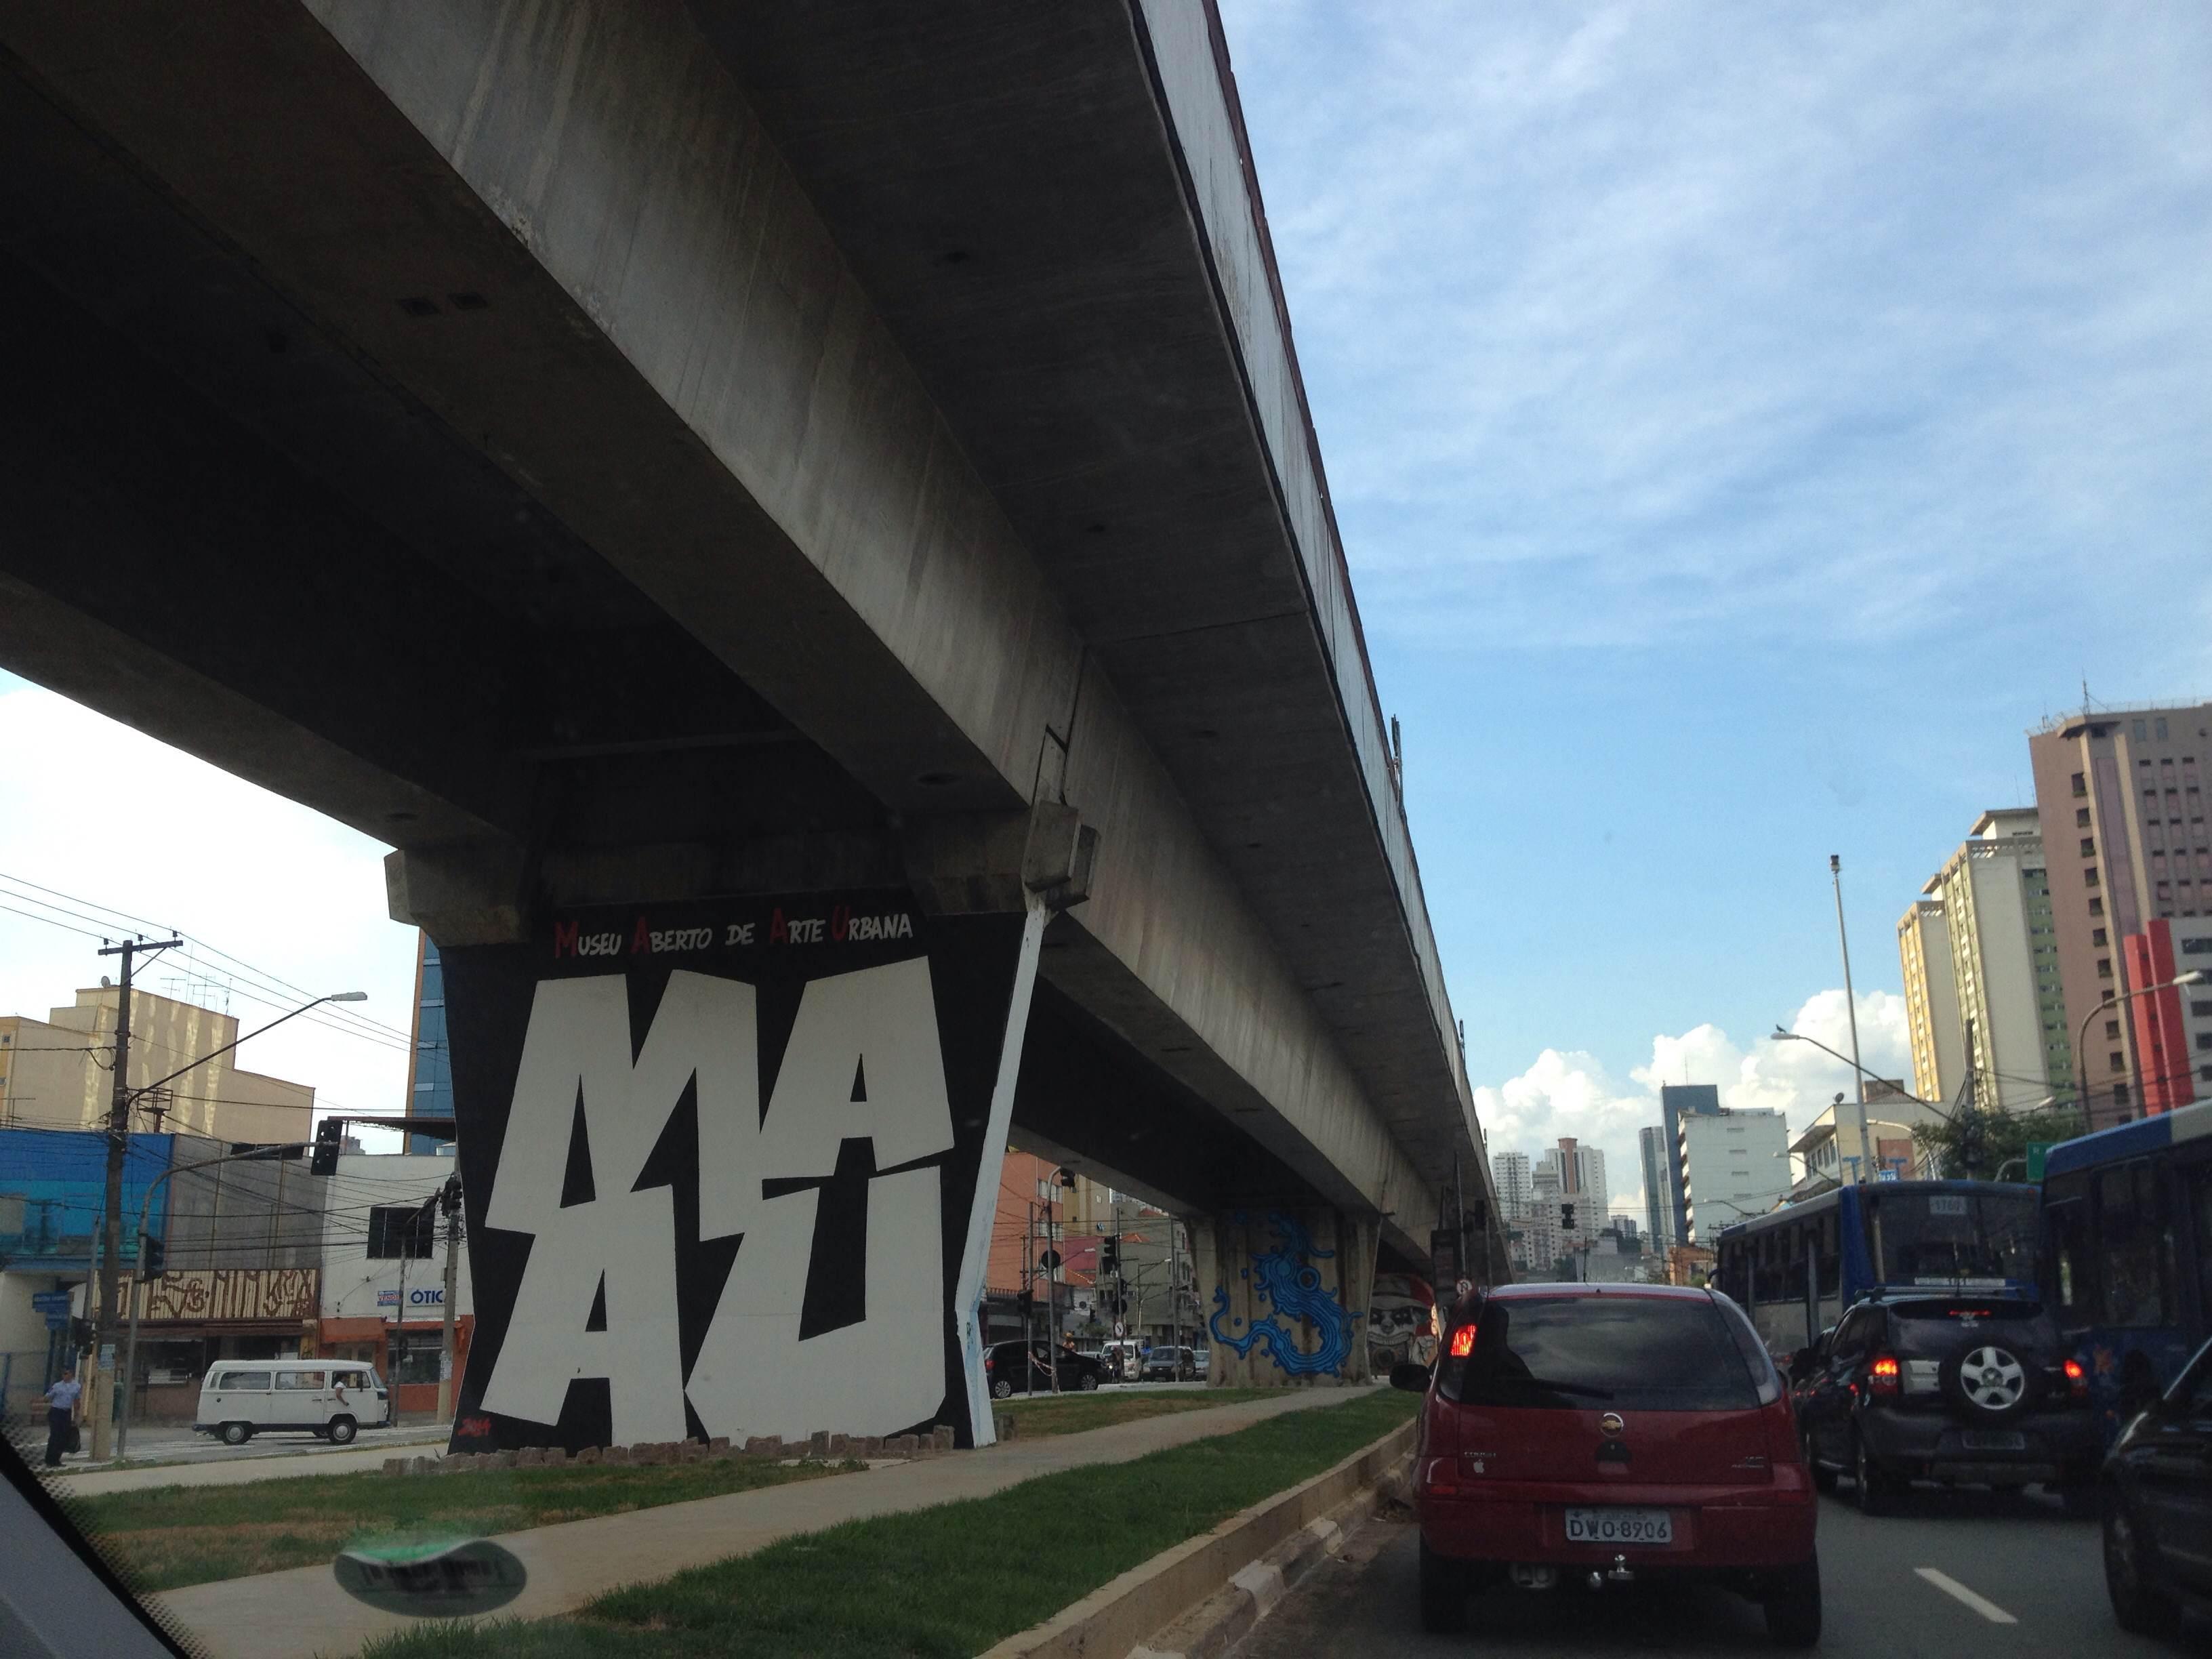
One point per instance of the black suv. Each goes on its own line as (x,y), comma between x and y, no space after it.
(2158,1507)
(1958,1389)
(1005,1375)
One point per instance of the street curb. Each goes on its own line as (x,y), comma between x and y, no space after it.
(1245,1563)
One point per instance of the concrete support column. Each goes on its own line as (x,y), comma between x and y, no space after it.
(730,1159)
(1283,1295)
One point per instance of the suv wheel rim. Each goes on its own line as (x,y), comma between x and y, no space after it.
(1992,1378)
(2120,1553)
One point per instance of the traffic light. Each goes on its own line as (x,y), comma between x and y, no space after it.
(1567,1215)
(151,1254)
(1109,1256)
(329,1136)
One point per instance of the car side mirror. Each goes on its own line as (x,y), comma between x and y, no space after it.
(1410,1375)
(1803,1362)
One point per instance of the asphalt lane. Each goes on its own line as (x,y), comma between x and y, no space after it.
(1940,1578)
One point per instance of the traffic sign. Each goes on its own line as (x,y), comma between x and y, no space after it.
(50,1301)
(59,1321)
(1885,1175)
(1120,1329)
(1049,1260)
(2036,1151)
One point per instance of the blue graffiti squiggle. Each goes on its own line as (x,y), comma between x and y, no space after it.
(1292,1287)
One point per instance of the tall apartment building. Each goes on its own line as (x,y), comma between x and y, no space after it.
(1677,1103)
(1580,1172)
(1931,1001)
(55,1073)
(1543,1240)
(1994,892)
(1658,1205)
(2120,795)
(1509,1172)
(1734,1165)
(2172,1028)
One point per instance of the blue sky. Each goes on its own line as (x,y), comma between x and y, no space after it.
(1744,423)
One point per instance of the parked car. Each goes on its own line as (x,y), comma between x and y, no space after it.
(331,1400)
(1605,1434)
(1957,1389)
(1013,1367)
(1168,1363)
(2155,1493)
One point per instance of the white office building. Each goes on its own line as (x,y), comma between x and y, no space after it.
(1734,1165)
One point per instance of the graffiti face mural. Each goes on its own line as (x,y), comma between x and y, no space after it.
(1402,1323)
(1286,1279)
(722,1164)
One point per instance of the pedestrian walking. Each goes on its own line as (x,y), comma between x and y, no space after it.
(61,1416)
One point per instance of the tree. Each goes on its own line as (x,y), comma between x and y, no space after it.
(1977,1144)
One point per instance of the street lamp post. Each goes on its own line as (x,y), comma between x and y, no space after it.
(2194,976)
(1866,1145)
(1851,999)
(122,1123)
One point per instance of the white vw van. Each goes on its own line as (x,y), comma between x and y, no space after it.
(330,1399)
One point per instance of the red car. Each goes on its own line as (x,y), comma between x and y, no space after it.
(1611,1434)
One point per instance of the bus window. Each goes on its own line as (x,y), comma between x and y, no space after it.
(2073,1289)
(1832,1267)
(2137,1287)
(2198,1183)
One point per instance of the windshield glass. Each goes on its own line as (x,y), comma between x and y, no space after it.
(1592,1352)
(1940,1239)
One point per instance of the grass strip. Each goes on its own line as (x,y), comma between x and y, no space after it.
(165,1537)
(1072,1413)
(941,1583)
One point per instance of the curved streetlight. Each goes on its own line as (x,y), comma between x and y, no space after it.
(1866,1143)
(2194,976)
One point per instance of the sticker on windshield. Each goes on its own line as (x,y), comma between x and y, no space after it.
(441,1578)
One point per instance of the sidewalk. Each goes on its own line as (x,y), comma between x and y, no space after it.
(286,1463)
(302,1613)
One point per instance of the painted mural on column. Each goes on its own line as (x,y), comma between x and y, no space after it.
(1285,1280)
(722,1163)
(1402,1323)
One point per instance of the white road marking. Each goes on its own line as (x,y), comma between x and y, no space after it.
(1981,1604)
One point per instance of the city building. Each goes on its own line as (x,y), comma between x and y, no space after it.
(1580,1172)
(241,1246)
(1828,1152)
(57,1073)
(2120,793)
(1658,1203)
(1931,1001)
(1994,892)
(1509,1172)
(1735,1163)
(1677,1103)
(2172,1027)
(1543,1241)
(384,1273)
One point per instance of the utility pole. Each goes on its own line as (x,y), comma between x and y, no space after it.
(1851,1010)
(449,1199)
(102,1376)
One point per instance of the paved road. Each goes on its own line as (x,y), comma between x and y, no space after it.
(2018,1555)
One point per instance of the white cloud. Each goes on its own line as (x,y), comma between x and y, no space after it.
(1570,1093)
(96,809)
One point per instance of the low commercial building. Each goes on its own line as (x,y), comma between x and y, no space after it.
(383,1254)
(1734,1163)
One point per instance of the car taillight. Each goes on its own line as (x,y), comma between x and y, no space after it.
(2077,1380)
(1885,1375)
(989,1363)
(1439,1478)
(1462,1342)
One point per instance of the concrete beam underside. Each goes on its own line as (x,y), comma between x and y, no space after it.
(854,572)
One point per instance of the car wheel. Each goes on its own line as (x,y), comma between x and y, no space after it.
(1989,1382)
(1002,1389)
(342,1431)
(1444,1594)
(1792,1600)
(2137,1602)
(1090,1384)
(1876,1493)
(235,1434)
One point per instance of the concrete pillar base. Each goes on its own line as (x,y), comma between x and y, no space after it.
(1283,1295)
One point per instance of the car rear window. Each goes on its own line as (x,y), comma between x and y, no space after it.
(1585,1352)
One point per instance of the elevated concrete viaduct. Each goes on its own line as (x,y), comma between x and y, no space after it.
(704,481)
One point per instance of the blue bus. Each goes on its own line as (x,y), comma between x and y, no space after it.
(2127,1226)
(1796,1271)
